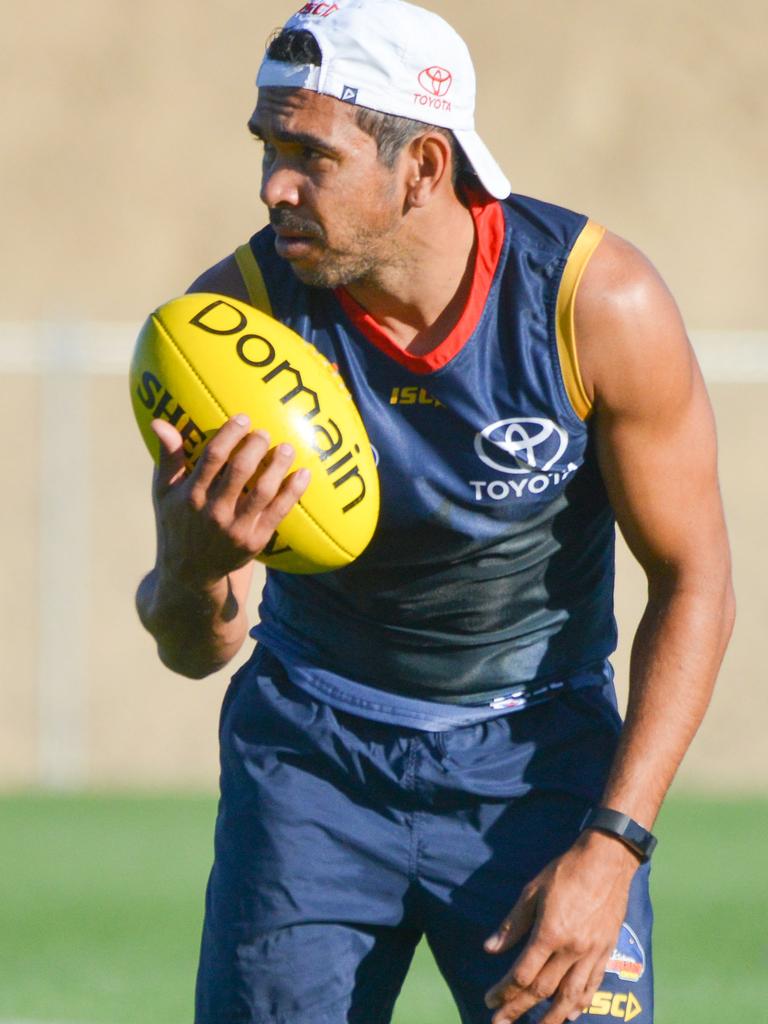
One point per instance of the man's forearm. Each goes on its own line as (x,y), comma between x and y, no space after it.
(676,655)
(197,631)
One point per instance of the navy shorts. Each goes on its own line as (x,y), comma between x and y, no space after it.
(340,841)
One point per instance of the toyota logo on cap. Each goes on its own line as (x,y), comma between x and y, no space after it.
(436,80)
(521,445)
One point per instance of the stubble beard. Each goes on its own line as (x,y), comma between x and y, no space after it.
(339,268)
(371,252)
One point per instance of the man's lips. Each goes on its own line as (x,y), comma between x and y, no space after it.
(287,233)
(292,236)
(288,243)
(295,235)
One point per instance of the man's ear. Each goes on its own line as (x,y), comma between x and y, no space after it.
(429,166)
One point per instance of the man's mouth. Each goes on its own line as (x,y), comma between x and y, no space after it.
(294,235)
(293,244)
(293,232)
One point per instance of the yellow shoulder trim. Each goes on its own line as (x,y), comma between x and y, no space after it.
(579,257)
(253,278)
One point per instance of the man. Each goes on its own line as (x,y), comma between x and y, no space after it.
(426,741)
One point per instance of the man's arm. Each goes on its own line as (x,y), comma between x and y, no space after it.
(208,533)
(657,449)
(209,530)
(658,453)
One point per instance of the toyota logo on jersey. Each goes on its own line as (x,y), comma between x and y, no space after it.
(436,80)
(521,445)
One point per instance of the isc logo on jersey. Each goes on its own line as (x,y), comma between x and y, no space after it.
(619,1005)
(525,450)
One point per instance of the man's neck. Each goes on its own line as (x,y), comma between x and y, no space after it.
(419,297)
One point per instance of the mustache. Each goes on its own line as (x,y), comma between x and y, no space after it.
(287,220)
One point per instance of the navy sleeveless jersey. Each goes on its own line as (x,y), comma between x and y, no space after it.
(491,570)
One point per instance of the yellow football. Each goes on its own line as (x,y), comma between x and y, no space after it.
(203,358)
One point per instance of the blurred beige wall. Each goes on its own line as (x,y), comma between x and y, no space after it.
(126,169)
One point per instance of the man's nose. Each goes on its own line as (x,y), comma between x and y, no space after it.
(280,184)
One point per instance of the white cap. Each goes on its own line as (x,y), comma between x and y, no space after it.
(396,58)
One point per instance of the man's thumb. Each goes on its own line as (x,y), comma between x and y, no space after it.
(170,464)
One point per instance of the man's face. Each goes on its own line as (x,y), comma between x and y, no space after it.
(336,209)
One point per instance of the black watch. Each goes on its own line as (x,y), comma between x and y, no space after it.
(624,828)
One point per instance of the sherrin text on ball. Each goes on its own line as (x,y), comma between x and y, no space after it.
(202,358)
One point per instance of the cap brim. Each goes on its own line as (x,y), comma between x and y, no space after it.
(281,74)
(491,176)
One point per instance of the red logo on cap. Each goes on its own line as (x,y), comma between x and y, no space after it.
(436,80)
(321,10)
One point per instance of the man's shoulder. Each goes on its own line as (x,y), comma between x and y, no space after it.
(542,224)
(223,278)
(230,275)
(629,327)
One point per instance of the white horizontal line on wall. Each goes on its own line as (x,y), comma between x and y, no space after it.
(739,357)
(105,348)
(85,347)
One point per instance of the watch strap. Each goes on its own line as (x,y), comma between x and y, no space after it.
(629,831)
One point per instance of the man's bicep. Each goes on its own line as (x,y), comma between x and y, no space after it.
(653,421)
(660,470)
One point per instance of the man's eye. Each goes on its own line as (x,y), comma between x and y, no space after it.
(308,153)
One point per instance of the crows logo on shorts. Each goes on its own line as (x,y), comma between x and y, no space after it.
(628,958)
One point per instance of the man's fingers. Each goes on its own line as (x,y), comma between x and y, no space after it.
(531,980)
(567,978)
(595,979)
(239,489)
(515,925)
(522,978)
(264,486)
(573,996)
(171,462)
(247,459)
(271,515)
(217,452)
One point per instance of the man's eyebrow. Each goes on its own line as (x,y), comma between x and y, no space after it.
(297,138)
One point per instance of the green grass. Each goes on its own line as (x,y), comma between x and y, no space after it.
(101,902)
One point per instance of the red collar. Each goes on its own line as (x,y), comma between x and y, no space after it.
(489,226)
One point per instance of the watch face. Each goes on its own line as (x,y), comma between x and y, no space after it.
(623,827)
